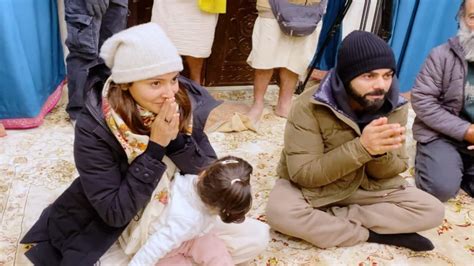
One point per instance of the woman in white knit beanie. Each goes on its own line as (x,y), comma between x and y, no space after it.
(136,129)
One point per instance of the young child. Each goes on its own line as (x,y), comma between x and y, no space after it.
(183,234)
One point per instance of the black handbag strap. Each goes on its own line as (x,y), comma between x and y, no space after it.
(407,36)
(385,31)
(333,29)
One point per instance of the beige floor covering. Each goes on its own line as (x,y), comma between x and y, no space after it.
(37,164)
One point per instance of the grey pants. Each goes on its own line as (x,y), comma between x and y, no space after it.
(85,35)
(442,167)
(347,222)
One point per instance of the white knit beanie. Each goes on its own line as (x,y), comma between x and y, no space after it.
(140,52)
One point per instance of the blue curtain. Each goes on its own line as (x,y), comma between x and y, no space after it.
(418,27)
(328,57)
(31,57)
(404,13)
(433,23)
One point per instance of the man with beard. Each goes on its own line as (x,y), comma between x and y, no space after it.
(343,152)
(443,99)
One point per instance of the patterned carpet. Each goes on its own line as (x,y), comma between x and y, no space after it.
(37,164)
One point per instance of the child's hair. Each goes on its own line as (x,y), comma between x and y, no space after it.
(225,185)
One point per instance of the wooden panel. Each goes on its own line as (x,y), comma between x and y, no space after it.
(233,42)
(139,12)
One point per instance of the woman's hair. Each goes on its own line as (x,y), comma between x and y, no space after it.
(123,103)
(225,185)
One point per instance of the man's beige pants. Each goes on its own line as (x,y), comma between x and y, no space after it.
(347,222)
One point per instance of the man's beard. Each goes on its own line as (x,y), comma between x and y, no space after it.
(369,106)
(466,38)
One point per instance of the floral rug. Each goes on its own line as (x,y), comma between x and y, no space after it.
(36,165)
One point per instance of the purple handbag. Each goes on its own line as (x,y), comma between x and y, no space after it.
(297,20)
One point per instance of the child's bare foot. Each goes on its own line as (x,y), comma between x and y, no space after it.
(255,113)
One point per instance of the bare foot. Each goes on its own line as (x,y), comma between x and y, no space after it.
(3,132)
(255,113)
(282,110)
(318,74)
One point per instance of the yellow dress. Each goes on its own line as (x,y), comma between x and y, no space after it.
(213,6)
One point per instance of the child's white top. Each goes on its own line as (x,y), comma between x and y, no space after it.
(184,218)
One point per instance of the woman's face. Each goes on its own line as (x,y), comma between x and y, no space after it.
(151,93)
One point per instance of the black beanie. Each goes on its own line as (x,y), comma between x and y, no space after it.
(361,52)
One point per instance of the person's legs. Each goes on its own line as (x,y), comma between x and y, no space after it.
(3,132)
(467,183)
(288,80)
(114,20)
(260,84)
(178,256)
(175,260)
(210,250)
(394,216)
(244,241)
(195,68)
(289,213)
(392,211)
(438,169)
(82,41)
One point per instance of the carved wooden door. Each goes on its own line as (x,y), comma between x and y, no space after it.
(232,44)
(139,12)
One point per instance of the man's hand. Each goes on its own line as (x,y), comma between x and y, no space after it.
(96,7)
(378,137)
(469,136)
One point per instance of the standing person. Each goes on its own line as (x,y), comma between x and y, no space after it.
(3,132)
(143,120)
(343,153)
(272,49)
(89,24)
(184,233)
(443,100)
(190,29)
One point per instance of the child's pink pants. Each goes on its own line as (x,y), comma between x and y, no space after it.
(206,250)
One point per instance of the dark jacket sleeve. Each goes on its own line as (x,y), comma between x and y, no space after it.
(116,198)
(193,153)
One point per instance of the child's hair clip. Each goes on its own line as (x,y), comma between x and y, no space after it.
(235,180)
(224,211)
(229,161)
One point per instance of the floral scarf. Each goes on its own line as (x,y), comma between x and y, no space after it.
(133,144)
(136,233)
